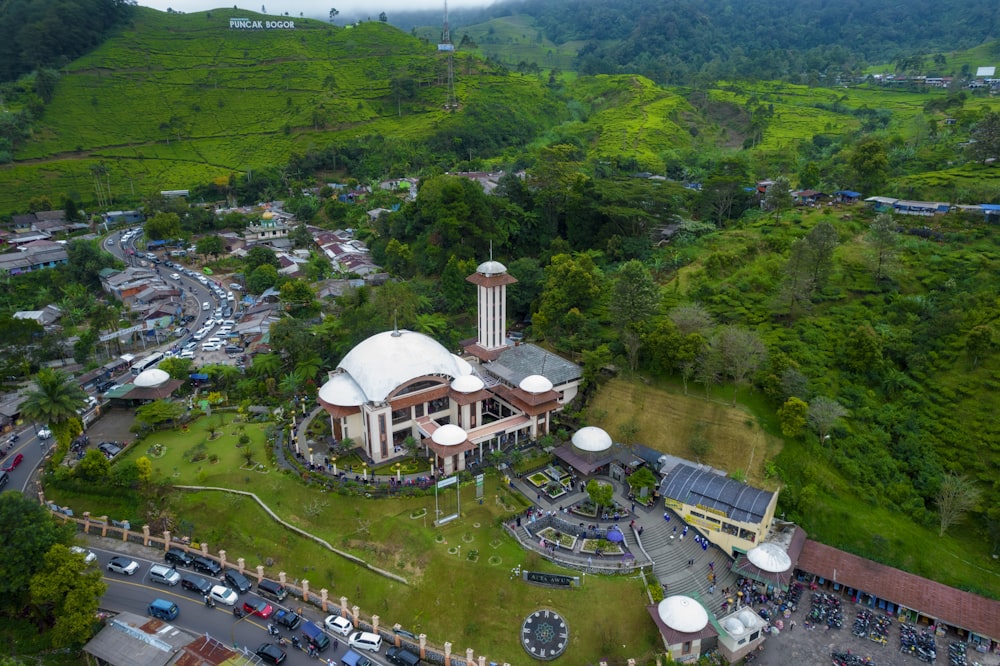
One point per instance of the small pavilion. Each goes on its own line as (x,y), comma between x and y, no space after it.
(684,627)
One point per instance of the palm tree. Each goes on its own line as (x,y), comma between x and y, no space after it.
(308,367)
(56,399)
(266,365)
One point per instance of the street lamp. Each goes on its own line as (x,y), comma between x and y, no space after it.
(333,459)
(310,455)
(364,469)
(398,467)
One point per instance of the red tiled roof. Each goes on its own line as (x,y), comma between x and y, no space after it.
(948,604)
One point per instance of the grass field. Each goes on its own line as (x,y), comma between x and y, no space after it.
(674,423)
(460,588)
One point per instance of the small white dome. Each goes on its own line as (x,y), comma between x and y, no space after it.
(682,614)
(733,626)
(592,439)
(151,378)
(748,619)
(468,384)
(491,268)
(769,557)
(449,435)
(535,384)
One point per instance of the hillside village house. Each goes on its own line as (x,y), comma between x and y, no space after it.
(400,384)
(34,255)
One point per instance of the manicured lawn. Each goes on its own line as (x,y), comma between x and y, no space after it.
(460,585)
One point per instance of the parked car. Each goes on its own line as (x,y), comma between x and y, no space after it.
(270,653)
(401,656)
(338,625)
(109,449)
(223,595)
(207,566)
(287,619)
(196,584)
(164,575)
(44,433)
(238,581)
(123,565)
(88,555)
(178,556)
(365,640)
(12,464)
(258,607)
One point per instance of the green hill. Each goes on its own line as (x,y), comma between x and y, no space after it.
(176,100)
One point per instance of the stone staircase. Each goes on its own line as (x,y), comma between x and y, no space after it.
(670,554)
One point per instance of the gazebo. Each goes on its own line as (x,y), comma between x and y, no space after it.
(152,384)
(589,450)
(770,562)
(684,626)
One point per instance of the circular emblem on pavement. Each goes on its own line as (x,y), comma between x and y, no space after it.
(544,635)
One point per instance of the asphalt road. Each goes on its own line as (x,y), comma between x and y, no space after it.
(134,593)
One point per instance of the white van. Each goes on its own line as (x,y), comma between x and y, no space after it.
(164,575)
(365,640)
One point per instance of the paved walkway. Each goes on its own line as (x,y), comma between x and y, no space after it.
(660,544)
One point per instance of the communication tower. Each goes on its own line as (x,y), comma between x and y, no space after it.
(448,48)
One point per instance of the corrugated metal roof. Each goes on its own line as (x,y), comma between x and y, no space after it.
(693,486)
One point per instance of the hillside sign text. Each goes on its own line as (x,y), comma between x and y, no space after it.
(249,24)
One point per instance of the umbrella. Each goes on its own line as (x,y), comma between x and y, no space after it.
(615,536)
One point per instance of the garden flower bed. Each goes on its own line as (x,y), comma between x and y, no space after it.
(601,546)
(558,538)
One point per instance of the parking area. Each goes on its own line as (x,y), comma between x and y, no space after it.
(814,646)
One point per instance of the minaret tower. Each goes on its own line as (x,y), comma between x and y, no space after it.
(491,280)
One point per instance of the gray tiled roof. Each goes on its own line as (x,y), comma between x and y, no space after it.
(516,363)
(693,486)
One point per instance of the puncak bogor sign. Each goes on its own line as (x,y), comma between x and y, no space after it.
(251,24)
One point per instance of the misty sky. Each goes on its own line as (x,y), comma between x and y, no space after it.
(315,8)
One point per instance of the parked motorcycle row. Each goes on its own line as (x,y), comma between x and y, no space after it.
(873,627)
(825,609)
(917,643)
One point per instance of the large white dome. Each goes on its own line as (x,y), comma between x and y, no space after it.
(592,439)
(385,361)
(151,378)
(769,557)
(682,614)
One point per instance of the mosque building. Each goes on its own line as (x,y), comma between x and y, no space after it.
(399,384)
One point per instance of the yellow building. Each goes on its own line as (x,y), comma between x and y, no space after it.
(733,515)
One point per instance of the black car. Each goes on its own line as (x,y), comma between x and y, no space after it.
(401,656)
(196,584)
(205,565)
(238,581)
(270,653)
(104,386)
(109,449)
(178,557)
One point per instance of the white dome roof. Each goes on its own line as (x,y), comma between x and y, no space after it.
(341,390)
(150,378)
(769,557)
(749,619)
(682,614)
(591,439)
(535,384)
(386,361)
(449,435)
(733,626)
(491,268)
(468,384)
(464,367)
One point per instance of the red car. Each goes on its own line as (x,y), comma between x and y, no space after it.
(13,463)
(259,607)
